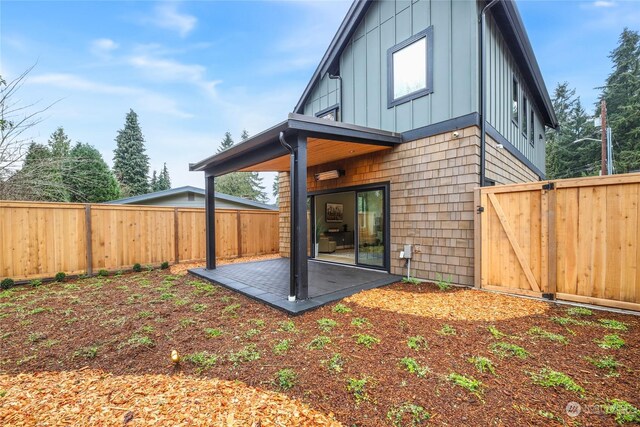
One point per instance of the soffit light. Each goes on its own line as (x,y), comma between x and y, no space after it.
(332,174)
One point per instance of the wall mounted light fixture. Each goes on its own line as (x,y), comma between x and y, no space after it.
(332,174)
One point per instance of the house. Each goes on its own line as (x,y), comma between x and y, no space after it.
(413,105)
(190,197)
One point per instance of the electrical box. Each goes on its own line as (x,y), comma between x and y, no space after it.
(407,252)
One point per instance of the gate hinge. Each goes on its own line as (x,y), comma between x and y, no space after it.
(549,186)
(480,209)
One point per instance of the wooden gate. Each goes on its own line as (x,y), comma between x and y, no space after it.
(572,239)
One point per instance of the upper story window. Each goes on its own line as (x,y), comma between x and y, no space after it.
(330,113)
(525,118)
(515,98)
(409,68)
(532,128)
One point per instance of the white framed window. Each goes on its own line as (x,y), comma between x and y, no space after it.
(410,68)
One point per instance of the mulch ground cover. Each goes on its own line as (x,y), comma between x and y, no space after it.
(401,355)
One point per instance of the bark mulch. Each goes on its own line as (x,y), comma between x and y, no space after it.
(393,356)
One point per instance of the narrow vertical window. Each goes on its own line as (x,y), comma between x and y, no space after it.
(532,128)
(525,118)
(514,102)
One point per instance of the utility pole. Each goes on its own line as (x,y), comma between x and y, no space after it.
(603,108)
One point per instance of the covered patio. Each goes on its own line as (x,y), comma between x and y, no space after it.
(292,146)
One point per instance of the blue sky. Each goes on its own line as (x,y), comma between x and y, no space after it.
(195,69)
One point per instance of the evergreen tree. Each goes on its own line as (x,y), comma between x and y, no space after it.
(164,182)
(245,135)
(40,178)
(241,184)
(59,143)
(622,94)
(566,157)
(130,163)
(227,142)
(275,190)
(153,184)
(87,176)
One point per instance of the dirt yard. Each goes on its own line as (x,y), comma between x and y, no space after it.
(98,350)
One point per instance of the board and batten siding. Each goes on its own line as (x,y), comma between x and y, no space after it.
(500,70)
(363,66)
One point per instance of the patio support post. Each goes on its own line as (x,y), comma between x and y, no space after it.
(210,221)
(299,270)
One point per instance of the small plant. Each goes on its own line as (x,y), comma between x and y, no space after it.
(137,267)
(203,288)
(326,325)
(417,343)
(579,311)
(550,378)
(341,308)
(231,310)
(623,411)
(505,349)
(35,283)
(335,363)
(60,276)
(147,329)
(495,332)
(468,383)
(482,364)
(213,332)
(86,352)
(366,340)
(361,322)
(164,265)
(199,308)
(258,323)
(447,330)
(145,314)
(319,342)
(148,267)
(613,324)
(407,414)
(610,342)
(138,340)
(444,284)
(203,360)
(287,326)
(358,387)
(411,280)
(166,296)
(607,362)
(252,333)
(564,321)
(35,337)
(282,346)
(103,273)
(246,354)
(7,283)
(412,366)
(186,322)
(286,378)
(539,332)
(3,393)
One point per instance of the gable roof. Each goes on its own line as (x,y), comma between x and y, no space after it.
(509,21)
(188,189)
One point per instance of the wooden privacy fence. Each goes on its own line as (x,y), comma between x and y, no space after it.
(570,239)
(37,240)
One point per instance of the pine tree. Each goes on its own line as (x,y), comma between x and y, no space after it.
(164,182)
(87,176)
(227,142)
(59,143)
(622,94)
(275,190)
(153,184)
(130,163)
(245,135)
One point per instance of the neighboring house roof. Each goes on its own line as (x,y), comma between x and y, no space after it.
(188,189)
(509,21)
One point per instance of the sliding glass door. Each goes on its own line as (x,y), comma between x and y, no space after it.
(371,227)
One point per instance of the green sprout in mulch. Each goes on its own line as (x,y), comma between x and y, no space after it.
(60,276)
(468,383)
(326,325)
(443,283)
(564,321)
(319,342)
(335,363)
(231,310)
(447,330)
(145,314)
(35,337)
(623,411)
(411,280)
(495,332)
(287,326)
(366,340)
(505,349)
(608,362)
(258,323)
(286,378)
(138,340)
(579,311)
(417,343)
(203,360)
(612,341)
(186,322)
(252,333)
(483,364)
(88,352)
(407,414)
(199,308)
(246,354)
(550,378)
(35,283)
(361,322)
(341,308)
(212,332)
(203,287)
(282,346)
(358,387)
(412,366)
(166,296)
(541,333)
(613,324)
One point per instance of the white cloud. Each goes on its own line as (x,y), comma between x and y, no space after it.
(603,3)
(166,16)
(103,47)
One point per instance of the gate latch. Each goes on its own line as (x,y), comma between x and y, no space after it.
(480,209)
(549,186)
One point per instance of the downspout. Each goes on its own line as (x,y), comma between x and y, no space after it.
(292,240)
(483,89)
(339,78)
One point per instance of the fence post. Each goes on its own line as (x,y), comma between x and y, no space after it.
(176,237)
(552,246)
(88,238)
(239,229)
(477,239)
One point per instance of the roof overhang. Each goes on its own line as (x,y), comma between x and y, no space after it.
(265,149)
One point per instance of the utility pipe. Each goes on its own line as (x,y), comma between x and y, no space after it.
(483,89)
(292,240)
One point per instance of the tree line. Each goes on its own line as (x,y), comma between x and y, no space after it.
(574,149)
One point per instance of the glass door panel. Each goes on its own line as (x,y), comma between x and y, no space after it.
(371,232)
